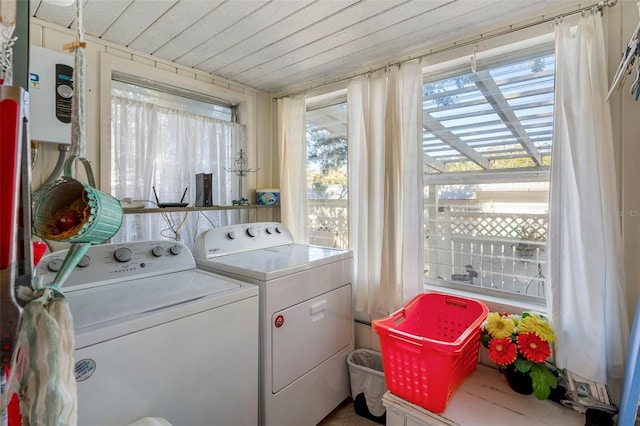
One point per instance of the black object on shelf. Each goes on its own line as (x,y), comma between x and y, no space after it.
(165,205)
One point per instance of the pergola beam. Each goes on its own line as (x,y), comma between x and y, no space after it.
(484,81)
(434,126)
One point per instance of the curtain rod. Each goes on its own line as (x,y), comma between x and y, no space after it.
(598,7)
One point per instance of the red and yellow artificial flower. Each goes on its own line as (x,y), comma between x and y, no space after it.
(502,351)
(537,325)
(499,326)
(524,343)
(533,347)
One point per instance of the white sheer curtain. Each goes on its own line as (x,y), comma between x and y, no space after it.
(292,144)
(385,187)
(586,283)
(166,148)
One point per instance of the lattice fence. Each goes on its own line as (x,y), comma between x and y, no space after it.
(507,251)
(491,250)
(328,223)
(520,226)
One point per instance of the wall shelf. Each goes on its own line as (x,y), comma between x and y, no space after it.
(195,209)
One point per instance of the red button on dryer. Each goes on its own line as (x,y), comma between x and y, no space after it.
(279,322)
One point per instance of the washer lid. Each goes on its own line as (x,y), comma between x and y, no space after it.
(275,262)
(98,305)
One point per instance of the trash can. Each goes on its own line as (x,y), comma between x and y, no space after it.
(367,384)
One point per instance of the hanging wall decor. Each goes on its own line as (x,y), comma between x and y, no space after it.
(241,169)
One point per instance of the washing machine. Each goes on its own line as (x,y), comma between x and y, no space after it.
(157,337)
(306,316)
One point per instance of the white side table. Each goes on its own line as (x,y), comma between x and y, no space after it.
(484,398)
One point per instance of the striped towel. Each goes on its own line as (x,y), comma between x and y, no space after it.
(42,368)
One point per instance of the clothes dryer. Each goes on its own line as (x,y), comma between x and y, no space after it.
(156,337)
(306,316)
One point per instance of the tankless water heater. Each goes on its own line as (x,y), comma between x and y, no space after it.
(50,95)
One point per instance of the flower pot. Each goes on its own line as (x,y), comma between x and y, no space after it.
(518,381)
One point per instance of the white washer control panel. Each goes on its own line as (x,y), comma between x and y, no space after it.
(105,263)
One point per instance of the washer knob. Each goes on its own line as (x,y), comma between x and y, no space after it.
(269,230)
(231,235)
(278,230)
(175,249)
(157,251)
(54,265)
(84,262)
(251,231)
(123,254)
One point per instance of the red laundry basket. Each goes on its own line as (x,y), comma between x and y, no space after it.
(430,346)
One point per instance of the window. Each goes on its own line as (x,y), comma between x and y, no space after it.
(159,142)
(487,149)
(327,171)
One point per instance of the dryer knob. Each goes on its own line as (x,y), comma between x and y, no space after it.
(123,254)
(175,249)
(54,265)
(157,251)
(231,235)
(251,231)
(278,230)
(269,230)
(84,262)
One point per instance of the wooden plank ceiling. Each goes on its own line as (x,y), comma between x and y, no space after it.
(279,46)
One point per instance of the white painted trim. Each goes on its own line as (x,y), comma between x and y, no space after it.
(110,63)
(497,304)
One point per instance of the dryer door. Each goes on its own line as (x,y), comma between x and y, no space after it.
(306,334)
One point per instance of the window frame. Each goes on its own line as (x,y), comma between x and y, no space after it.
(111,65)
(503,55)
(326,100)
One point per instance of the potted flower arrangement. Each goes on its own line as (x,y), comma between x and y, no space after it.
(520,345)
